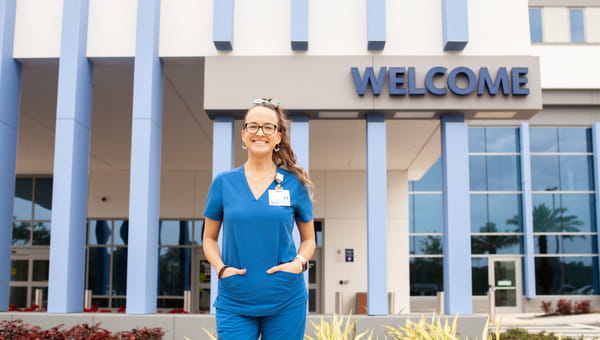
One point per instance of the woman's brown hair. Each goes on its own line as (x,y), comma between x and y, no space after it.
(285,157)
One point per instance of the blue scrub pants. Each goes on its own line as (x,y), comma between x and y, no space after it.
(288,324)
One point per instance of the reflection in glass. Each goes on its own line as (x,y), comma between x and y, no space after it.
(505,297)
(566,275)
(426,245)
(21,234)
(574,140)
(98,270)
(544,173)
(174,271)
(576,173)
(425,213)
(19,270)
(496,213)
(431,181)
(41,234)
(43,199)
(543,140)
(22,201)
(173,232)
(40,270)
(198,232)
(495,139)
(549,216)
(502,244)
(119,271)
(479,271)
(121,232)
(426,277)
(18,296)
(565,244)
(494,173)
(476,139)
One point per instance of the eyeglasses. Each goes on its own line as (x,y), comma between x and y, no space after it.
(267,128)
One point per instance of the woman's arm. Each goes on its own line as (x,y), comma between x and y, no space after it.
(212,252)
(306,249)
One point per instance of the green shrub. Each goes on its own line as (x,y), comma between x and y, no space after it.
(338,329)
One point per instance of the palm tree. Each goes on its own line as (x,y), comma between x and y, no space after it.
(490,244)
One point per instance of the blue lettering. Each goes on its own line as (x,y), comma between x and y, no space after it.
(369,78)
(518,78)
(430,86)
(413,90)
(485,81)
(471,80)
(396,77)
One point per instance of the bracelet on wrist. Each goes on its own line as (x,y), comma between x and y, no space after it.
(303,261)
(221,271)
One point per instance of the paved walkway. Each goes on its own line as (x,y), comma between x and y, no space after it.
(586,325)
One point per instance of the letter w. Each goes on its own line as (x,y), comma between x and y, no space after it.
(369,78)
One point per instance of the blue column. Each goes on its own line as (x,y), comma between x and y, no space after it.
(10,89)
(377,302)
(299,25)
(144,183)
(457,219)
(223,24)
(300,144)
(455,24)
(596,157)
(375,25)
(527,207)
(71,158)
(222,161)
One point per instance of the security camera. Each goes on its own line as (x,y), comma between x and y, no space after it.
(104,198)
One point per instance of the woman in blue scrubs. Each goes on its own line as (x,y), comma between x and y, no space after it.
(256,207)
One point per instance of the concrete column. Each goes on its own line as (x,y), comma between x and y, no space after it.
(596,160)
(10,90)
(377,300)
(457,216)
(223,156)
(527,206)
(71,164)
(144,184)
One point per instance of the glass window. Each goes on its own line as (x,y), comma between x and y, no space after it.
(21,233)
(41,234)
(544,173)
(535,25)
(477,173)
(19,270)
(575,139)
(43,199)
(426,277)
(476,139)
(565,244)
(23,198)
(425,213)
(502,140)
(577,28)
(492,213)
(98,270)
(199,232)
(501,244)
(119,271)
(431,181)
(576,173)
(174,271)
(121,232)
(543,139)
(426,245)
(174,233)
(569,213)
(566,275)
(40,270)
(479,270)
(99,232)
(494,173)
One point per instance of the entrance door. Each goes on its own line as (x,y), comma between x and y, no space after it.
(505,277)
(314,282)
(200,282)
(29,272)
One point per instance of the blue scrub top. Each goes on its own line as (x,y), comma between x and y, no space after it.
(257,236)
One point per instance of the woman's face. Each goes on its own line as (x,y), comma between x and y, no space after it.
(259,142)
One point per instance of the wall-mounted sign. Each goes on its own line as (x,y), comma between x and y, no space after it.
(350,255)
(439,81)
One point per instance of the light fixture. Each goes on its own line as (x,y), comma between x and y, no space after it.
(338,114)
(408,114)
(495,114)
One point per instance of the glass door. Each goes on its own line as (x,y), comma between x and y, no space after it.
(505,278)
(200,282)
(29,273)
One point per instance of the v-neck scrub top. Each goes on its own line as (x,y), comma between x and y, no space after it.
(257,236)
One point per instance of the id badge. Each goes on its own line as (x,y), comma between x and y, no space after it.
(280,198)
